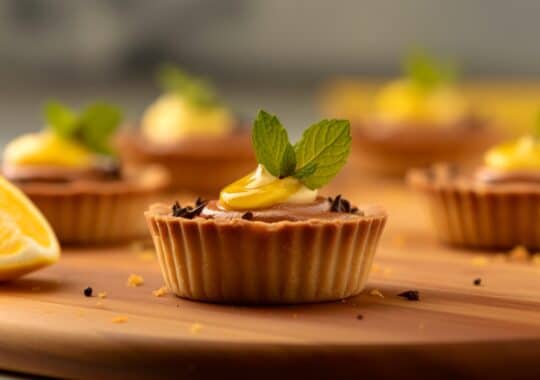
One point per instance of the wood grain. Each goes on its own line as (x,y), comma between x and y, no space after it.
(456,330)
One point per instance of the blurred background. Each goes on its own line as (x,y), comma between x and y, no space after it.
(272,54)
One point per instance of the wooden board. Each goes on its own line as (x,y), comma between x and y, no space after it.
(456,330)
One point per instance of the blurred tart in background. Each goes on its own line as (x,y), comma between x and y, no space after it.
(73,176)
(494,206)
(417,120)
(270,238)
(190,133)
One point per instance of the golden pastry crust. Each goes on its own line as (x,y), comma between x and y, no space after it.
(241,261)
(471,213)
(199,164)
(98,212)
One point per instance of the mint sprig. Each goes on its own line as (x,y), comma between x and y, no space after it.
(428,72)
(272,147)
(322,152)
(93,127)
(314,160)
(195,89)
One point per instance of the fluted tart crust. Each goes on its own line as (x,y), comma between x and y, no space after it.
(236,260)
(481,210)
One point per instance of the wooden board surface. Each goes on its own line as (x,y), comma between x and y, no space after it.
(456,330)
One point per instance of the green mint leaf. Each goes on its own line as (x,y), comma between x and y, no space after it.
(427,72)
(61,119)
(306,171)
(326,145)
(197,90)
(272,147)
(288,162)
(98,123)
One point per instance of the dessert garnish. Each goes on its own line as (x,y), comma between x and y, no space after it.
(247,215)
(340,204)
(513,161)
(189,106)
(88,292)
(71,141)
(477,282)
(426,95)
(428,72)
(410,295)
(286,172)
(188,212)
(197,90)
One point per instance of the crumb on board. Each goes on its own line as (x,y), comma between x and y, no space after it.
(360,317)
(195,328)
(376,293)
(410,295)
(536,259)
(135,280)
(479,261)
(519,254)
(99,304)
(477,282)
(160,292)
(120,319)
(102,295)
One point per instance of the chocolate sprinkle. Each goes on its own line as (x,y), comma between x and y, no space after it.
(88,292)
(188,212)
(340,204)
(410,295)
(477,282)
(248,215)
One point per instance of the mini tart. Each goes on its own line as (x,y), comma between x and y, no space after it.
(477,214)
(393,149)
(197,164)
(91,211)
(234,260)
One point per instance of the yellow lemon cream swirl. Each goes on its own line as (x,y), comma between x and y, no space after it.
(405,101)
(47,149)
(521,154)
(260,189)
(173,117)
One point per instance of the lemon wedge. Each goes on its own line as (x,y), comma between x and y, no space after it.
(46,148)
(260,189)
(27,242)
(172,118)
(404,101)
(522,154)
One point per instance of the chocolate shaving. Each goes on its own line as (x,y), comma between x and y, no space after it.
(247,215)
(477,282)
(188,212)
(410,295)
(340,204)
